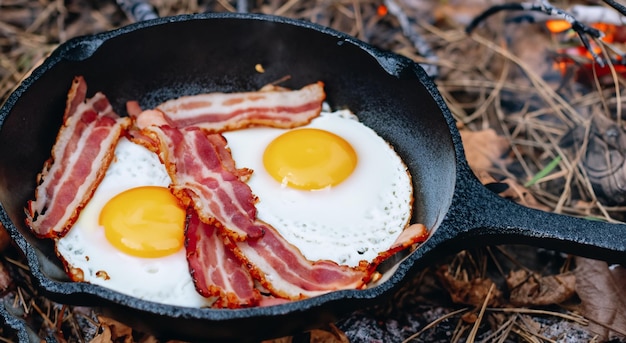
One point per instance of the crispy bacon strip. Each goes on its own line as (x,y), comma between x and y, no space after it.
(215,191)
(282,269)
(415,233)
(218,112)
(286,273)
(215,270)
(195,161)
(410,236)
(81,154)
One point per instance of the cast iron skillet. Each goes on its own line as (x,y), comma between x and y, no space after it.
(157,60)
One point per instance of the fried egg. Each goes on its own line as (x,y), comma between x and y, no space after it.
(333,188)
(116,241)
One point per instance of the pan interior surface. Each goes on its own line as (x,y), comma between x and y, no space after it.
(155,61)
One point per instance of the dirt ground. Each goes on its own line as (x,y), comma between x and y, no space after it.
(538,120)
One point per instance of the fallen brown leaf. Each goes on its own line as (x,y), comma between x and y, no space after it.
(536,290)
(522,195)
(103,336)
(470,317)
(328,334)
(468,291)
(602,291)
(5,278)
(514,191)
(113,331)
(483,148)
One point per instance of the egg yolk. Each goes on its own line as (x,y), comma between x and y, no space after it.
(309,159)
(144,221)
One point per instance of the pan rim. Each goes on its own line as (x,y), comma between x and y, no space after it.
(98,292)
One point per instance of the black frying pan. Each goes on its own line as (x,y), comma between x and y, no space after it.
(157,60)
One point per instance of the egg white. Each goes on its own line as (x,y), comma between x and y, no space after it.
(164,280)
(347,223)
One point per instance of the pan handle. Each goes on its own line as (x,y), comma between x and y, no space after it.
(478,214)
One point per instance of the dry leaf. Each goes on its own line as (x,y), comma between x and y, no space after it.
(466,291)
(483,148)
(602,290)
(112,330)
(104,336)
(522,195)
(330,334)
(469,317)
(536,290)
(513,191)
(5,278)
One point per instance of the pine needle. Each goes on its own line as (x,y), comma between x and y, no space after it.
(481,314)
(435,323)
(567,316)
(544,172)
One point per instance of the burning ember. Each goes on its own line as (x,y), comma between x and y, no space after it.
(583,58)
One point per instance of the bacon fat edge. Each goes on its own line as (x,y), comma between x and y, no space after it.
(282,269)
(80,156)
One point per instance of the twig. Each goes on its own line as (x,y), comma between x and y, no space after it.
(20,264)
(435,323)
(525,335)
(502,331)
(285,7)
(358,18)
(138,10)
(422,47)
(595,14)
(481,314)
(492,11)
(547,93)
(60,6)
(227,5)
(545,7)
(571,317)
(493,95)
(21,300)
(458,332)
(43,315)
(242,6)
(523,324)
(616,5)
(618,96)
